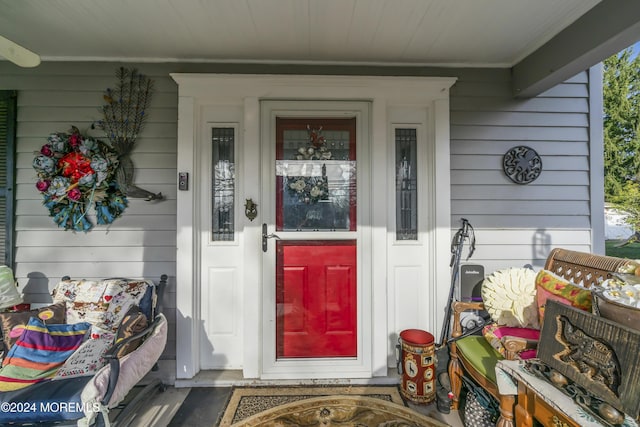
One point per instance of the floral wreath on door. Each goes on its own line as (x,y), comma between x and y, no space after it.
(311,189)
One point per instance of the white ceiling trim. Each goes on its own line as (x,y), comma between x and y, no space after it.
(267,61)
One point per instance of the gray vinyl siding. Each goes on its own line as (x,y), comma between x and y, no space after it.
(142,242)
(518,224)
(514,224)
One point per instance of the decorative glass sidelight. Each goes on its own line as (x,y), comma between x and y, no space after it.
(223,183)
(406,184)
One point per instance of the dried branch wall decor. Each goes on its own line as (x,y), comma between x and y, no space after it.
(123,118)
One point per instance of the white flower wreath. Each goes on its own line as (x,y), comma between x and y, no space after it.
(310,190)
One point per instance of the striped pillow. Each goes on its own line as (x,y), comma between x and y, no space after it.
(39,352)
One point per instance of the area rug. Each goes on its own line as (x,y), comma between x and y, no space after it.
(247,402)
(339,411)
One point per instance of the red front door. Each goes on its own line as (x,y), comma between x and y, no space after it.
(316,290)
(316,280)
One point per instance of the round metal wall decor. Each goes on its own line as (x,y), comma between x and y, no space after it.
(522,164)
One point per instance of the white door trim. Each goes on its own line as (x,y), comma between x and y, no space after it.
(246,91)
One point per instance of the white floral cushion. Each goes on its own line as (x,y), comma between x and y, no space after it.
(88,358)
(102,303)
(509,297)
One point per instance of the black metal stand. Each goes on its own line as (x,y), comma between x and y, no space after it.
(465,232)
(443,392)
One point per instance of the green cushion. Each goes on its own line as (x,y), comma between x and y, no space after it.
(477,350)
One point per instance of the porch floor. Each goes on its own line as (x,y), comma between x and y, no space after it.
(198,406)
(201,400)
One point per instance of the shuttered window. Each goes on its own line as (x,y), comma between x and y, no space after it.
(7,168)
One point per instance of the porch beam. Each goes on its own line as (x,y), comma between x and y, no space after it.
(609,27)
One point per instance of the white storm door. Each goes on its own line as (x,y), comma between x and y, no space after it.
(315,269)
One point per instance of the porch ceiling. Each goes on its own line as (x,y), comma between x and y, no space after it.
(543,41)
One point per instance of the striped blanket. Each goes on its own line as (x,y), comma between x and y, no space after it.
(39,352)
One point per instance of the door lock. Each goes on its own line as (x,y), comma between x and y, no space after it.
(266,236)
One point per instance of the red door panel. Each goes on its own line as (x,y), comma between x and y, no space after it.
(316,299)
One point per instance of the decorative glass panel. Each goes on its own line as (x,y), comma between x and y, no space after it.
(316,173)
(223,141)
(406,185)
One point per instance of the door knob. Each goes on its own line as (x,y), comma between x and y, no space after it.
(266,236)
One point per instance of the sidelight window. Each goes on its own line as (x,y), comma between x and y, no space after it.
(406,184)
(223,185)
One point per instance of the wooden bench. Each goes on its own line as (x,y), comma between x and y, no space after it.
(475,357)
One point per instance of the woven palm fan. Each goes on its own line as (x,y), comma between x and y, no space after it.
(509,297)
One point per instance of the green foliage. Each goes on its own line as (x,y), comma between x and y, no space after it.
(629,200)
(630,251)
(621,97)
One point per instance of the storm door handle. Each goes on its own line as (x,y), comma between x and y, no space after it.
(266,236)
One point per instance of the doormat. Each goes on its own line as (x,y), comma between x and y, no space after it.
(246,402)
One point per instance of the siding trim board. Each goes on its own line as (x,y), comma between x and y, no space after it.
(596,137)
